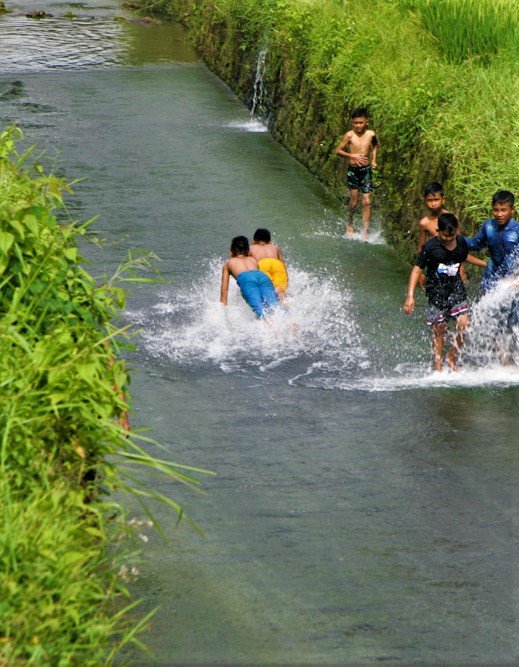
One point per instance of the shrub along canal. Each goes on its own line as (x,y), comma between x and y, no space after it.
(363,508)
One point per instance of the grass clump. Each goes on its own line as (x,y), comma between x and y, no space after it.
(62,448)
(469,29)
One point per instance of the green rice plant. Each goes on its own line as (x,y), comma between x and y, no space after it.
(470,29)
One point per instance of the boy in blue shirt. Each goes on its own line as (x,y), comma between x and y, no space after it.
(500,235)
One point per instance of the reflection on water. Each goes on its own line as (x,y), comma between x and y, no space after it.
(156,42)
(94,37)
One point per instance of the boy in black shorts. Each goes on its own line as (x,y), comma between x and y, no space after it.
(441,259)
(360,147)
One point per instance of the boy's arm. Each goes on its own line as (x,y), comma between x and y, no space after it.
(413,281)
(479,241)
(224,290)
(421,239)
(345,141)
(375,144)
(280,256)
(472,259)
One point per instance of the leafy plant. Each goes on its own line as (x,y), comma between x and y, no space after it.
(63,447)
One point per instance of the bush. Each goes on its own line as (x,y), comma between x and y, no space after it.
(62,448)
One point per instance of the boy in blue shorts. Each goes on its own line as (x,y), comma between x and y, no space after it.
(441,258)
(360,147)
(255,286)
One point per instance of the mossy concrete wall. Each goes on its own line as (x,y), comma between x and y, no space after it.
(323,59)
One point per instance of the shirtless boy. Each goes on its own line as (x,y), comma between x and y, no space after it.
(441,258)
(435,202)
(270,260)
(360,147)
(255,286)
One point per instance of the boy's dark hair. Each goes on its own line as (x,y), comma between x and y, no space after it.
(448,222)
(359,112)
(433,189)
(262,235)
(239,246)
(503,197)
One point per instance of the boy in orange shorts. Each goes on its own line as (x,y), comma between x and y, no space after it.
(270,260)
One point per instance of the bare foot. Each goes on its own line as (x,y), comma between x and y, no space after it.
(438,365)
(349,230)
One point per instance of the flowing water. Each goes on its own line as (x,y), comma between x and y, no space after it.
(364,508)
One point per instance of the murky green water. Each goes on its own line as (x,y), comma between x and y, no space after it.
(362,510)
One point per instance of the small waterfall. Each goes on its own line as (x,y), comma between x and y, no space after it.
(258,90)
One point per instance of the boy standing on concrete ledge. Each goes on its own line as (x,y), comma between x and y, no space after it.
(360,147)
(441,259)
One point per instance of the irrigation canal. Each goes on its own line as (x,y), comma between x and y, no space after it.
(363,509)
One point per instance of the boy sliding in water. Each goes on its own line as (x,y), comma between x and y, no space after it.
(441,258)
(255,286)
(270,260)
(360,147)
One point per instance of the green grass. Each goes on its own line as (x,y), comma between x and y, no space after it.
(469,29)
(62,448)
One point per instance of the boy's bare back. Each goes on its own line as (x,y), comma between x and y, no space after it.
(265,251)
(237,265)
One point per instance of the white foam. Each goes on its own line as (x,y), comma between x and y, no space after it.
(374,237)
(317,338)
(252,125)
(490,356)
(493,335)
(190,325)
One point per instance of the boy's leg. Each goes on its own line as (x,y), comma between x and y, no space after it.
(352,205)
(438,337)
(269,298)
(462,322)
(366,213)
(250,291)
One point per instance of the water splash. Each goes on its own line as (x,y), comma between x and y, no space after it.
(317,343)
(252,125)
(190,326)
(494,330)
(374,237)
(490,356)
